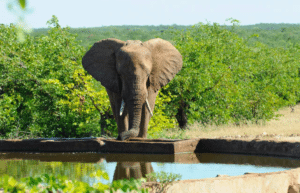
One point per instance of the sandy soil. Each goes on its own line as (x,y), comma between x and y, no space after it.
(284,128)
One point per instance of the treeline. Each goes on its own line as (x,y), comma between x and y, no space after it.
(44,91)
(273,35)
(88,36)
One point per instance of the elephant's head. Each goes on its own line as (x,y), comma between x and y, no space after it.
(131,69)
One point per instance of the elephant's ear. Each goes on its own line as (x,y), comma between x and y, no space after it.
(167,61)
(100,62)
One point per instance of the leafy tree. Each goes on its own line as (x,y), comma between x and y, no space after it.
(224,80)
(44,90)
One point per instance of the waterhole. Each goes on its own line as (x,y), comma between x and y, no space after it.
(79,166)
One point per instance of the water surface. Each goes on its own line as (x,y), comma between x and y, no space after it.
(79,166)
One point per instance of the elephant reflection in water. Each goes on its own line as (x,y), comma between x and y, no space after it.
(127,170)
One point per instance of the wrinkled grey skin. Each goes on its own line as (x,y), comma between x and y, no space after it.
(132,72)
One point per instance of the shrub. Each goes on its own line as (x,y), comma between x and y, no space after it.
(224,80)
(43,89)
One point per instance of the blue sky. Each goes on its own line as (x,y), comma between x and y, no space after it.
(97,13)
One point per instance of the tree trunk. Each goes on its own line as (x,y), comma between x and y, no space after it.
(181,115)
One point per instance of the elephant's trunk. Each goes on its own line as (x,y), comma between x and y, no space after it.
(135,115)
(134,105)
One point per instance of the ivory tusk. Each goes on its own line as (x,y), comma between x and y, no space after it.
(149,107)
(122,107)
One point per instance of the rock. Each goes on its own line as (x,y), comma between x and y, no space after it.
(222,175)
(102,143)
(293,188)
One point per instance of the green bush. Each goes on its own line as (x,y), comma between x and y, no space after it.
(223,80)
(160,119)
(50,183)
(44,90)
(40,176)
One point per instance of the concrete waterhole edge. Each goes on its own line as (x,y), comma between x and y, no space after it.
(283,181)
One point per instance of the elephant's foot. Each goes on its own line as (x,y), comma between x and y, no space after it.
(127,134)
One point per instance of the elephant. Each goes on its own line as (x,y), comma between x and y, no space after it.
(136,170)
(132,72)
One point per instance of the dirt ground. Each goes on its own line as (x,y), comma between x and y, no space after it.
(283,128)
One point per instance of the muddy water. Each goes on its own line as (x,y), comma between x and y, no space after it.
(79,166)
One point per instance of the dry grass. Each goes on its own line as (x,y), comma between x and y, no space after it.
(285,125)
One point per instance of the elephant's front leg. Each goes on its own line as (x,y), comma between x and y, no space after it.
(115,102)
(146,115)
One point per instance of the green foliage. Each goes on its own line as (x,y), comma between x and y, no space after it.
(44,90)
(163,178)
(69,177)
(160,120)
(128,185)
(53,183)
(88,36)
(273,35)
(50,183)
(85,172)
(19,9)
(9,184)
(224,80)
(22,3)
